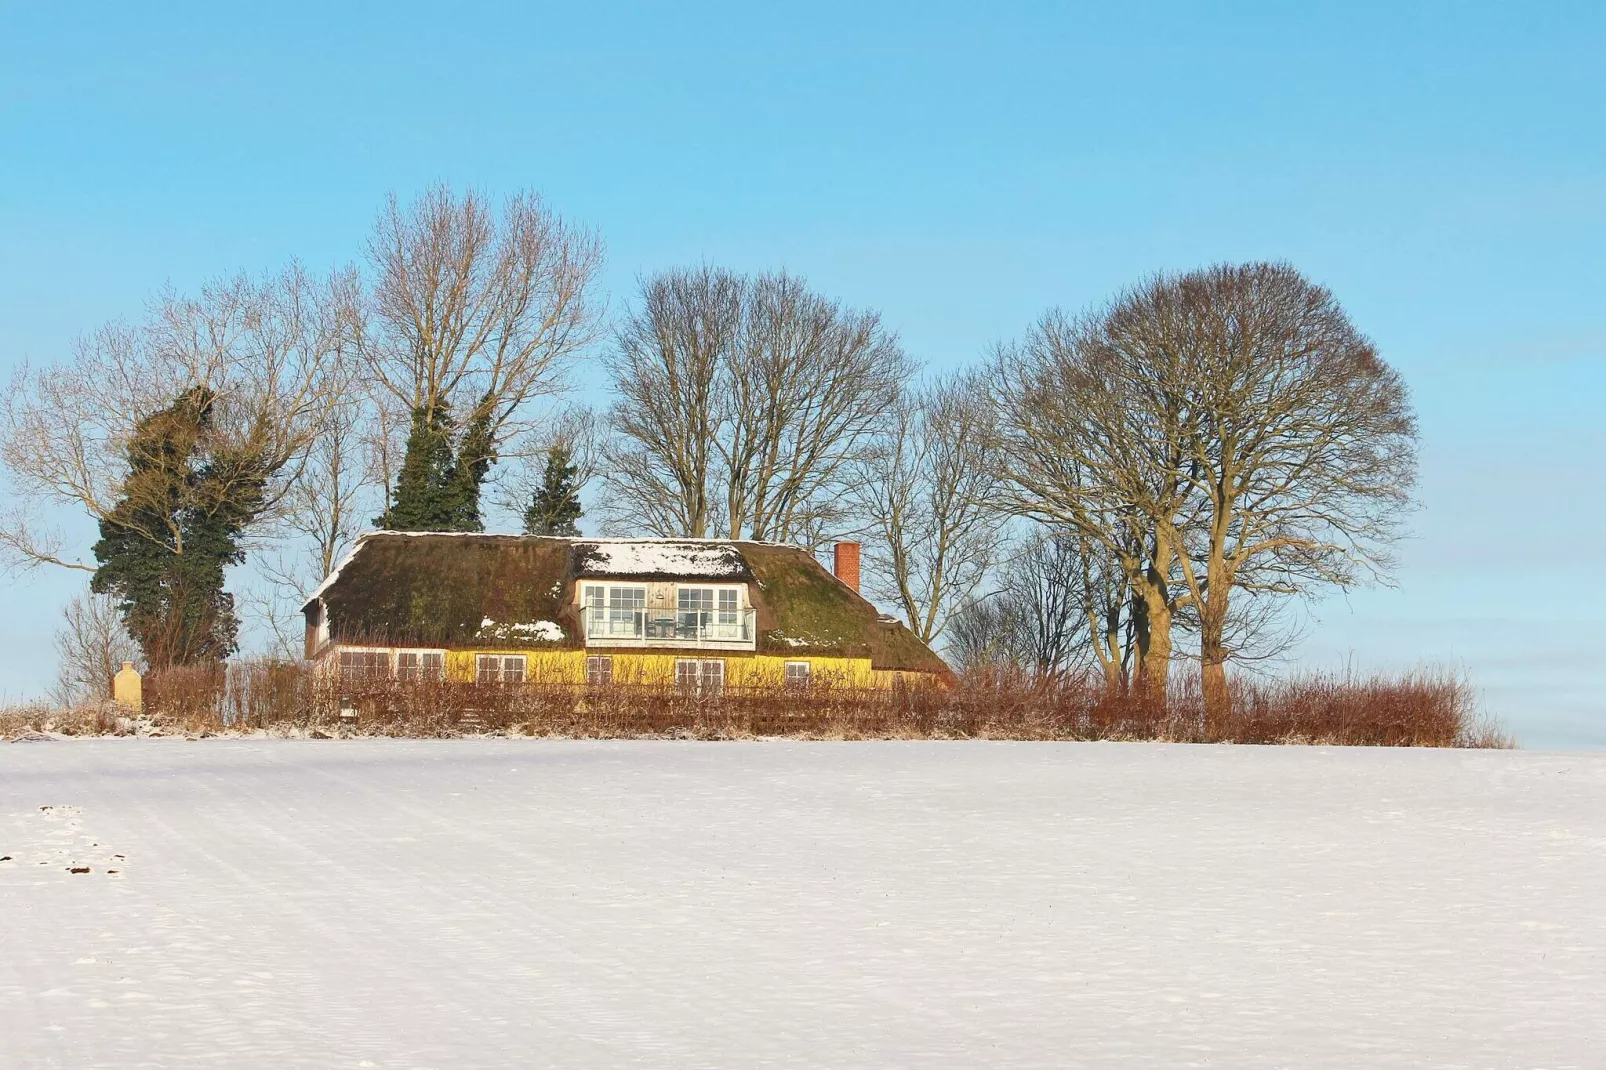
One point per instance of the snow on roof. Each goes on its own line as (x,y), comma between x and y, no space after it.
(701,558)
(622,557)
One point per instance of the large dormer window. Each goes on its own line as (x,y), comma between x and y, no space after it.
(708,612)
(667,613)
(718,604)
(614,609)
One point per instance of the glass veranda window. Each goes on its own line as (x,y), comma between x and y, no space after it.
(614,609)
(694,607)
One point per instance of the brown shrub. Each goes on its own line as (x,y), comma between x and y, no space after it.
(101,719)
(1424,708)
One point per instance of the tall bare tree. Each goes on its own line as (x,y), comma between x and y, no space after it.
(324,511)
(1303,453)
(1228,429)
(262,350)
(742,403)
(811,384)
(671,365)
(925,493)
(1092,443)
(474,313)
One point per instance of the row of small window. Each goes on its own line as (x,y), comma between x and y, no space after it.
(698,674)
(375,665)
(427,665)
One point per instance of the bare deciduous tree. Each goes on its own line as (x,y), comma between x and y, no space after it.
(924,492)
(263,350)
(476,311)
(671,367)
(1092,444)
(91,645)
(1034,618)
(812,382)
(322,514)
(742,402)
(1225,429)
(1303,453)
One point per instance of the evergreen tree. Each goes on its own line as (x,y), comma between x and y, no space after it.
(438,487)
(424,485)
(475,455)
(165,546)
(556,505)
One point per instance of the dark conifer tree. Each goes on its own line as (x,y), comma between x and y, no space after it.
(442,474)
(556,505)
(475,454)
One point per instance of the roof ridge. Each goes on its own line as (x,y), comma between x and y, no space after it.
(586,538)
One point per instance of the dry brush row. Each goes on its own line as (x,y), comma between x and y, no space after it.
(1427,708)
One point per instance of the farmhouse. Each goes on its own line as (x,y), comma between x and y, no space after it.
(697,613)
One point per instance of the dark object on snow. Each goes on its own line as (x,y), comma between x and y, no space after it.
(77,869)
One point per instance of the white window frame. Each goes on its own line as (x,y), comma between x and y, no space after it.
(384,652)
(700,675)
(724,606)
(503,665)
(422,671)
(606,612)
(798,680)
(599,670)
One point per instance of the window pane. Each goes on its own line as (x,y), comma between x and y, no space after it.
(488,668)
(512,670)
(599,671)
(695,598)
(364,664)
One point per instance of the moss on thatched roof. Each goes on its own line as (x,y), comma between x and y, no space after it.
(459,590)
(802,608)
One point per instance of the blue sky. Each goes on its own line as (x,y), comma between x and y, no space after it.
(961,167)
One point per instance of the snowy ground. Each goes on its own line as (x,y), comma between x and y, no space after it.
(507,903)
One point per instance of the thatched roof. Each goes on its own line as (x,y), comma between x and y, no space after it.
(511,591)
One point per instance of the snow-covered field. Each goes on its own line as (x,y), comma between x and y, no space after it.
(515,903)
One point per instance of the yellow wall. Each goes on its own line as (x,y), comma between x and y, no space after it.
(546,666)
(642,667)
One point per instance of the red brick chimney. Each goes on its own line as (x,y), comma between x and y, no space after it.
(846,563)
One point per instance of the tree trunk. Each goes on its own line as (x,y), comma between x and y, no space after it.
(1217,703)
(1213,647)
(1151,615)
